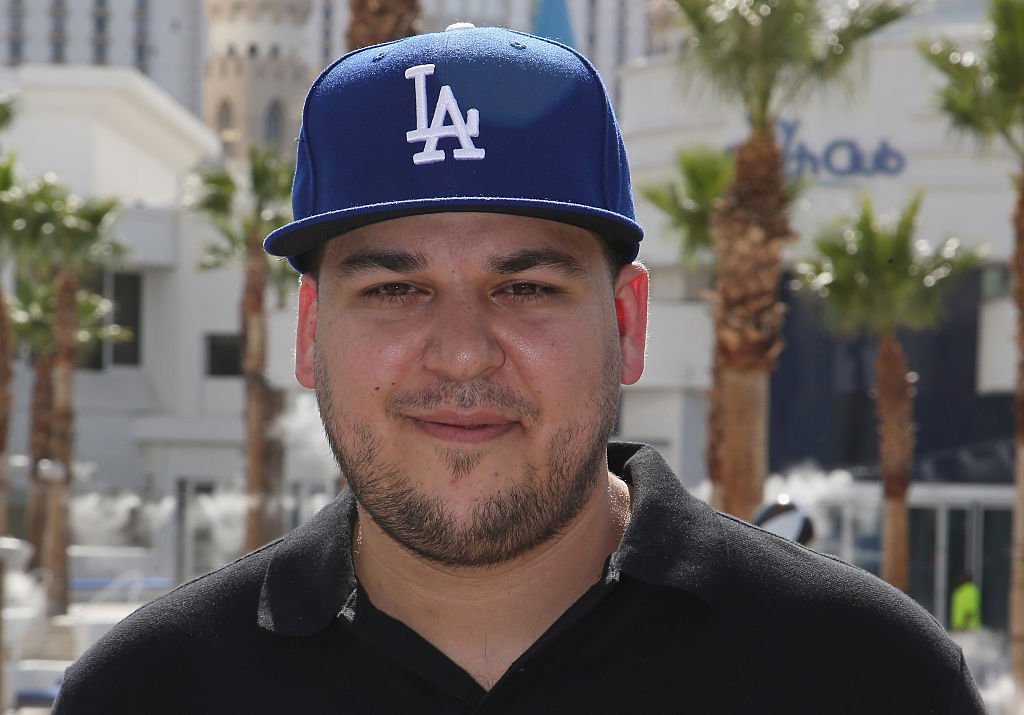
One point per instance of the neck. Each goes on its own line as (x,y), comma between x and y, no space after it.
(485,618)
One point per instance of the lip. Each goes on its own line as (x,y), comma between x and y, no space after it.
(464,428)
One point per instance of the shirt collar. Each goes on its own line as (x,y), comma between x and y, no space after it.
(673,539)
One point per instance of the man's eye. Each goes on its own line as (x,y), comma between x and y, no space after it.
(526,291)
(391,291)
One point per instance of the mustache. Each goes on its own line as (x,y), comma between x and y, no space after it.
(465,396)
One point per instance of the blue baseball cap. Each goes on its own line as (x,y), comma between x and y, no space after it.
(470,119)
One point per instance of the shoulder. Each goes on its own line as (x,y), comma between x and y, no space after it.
(794,578)
(156,648)
(808,607)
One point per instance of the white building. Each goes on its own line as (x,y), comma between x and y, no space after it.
(165,40)
(153,419)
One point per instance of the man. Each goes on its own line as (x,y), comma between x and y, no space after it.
(468,308)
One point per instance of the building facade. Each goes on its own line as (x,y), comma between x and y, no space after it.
(257,71)
(163,40)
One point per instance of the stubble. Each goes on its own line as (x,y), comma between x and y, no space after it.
(535,506)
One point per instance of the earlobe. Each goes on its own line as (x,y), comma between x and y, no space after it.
(305,333)
(631,293)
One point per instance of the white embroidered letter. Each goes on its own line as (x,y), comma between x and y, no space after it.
(461,129)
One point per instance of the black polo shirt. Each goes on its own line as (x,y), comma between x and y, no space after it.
(696,612)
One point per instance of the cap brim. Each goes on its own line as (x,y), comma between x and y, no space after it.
(298,238)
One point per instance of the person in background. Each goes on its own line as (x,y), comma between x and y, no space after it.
(965,604)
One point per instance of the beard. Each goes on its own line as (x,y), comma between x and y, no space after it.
(502,525)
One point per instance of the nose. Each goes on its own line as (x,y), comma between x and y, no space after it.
(462,342)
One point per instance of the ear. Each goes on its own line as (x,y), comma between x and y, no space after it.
(631,290)
(305,333)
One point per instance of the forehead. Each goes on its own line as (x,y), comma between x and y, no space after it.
(467,236)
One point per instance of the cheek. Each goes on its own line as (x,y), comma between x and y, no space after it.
(367,359)
(564,361)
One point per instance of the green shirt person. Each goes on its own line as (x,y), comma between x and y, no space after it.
(965,611)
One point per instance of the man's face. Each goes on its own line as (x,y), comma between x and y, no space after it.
(467,368)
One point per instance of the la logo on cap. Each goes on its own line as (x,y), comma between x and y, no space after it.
(463,129)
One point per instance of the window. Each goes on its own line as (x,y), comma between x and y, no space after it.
(223,355)
(273,127)
(124,289)
(225,117)
(142,35)
(58,16)
(141,57)
(127,296)
(327,23)
(99,32)
(592,11)
(16,20)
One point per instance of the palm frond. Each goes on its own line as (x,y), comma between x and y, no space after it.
(702,175)
(243,201)
(873,277)
(8,108)
(764,54)
(981,95)
(1004,53)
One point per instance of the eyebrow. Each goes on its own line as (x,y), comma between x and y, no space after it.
(536,258)
(374,260)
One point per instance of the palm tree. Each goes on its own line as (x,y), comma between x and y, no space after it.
(36,215)
(763,56)
(33,315)
(244,207)
(374,21)
(981,98)
(874,279)
(58,237)
(82,244)
(702,177)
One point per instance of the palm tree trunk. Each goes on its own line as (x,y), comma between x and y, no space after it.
(743,406)
(6,355)
(713,447)
(55,547)
(257,396)
(374,21)
(894,411)
(38,449)
(749,228)
(1017,552)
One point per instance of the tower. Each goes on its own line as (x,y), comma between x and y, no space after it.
(256,72)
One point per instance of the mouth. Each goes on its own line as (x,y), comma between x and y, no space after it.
(464,428)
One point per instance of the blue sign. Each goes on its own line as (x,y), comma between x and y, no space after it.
(840,157)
